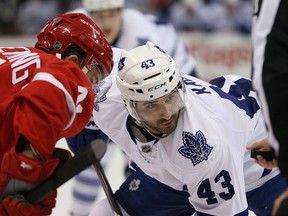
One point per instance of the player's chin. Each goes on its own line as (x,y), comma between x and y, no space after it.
(168,129)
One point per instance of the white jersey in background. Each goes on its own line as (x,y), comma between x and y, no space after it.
(137,28)
(206,152)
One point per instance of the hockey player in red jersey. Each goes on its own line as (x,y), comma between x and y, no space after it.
(45,96)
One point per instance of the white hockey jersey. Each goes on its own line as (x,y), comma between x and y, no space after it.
(138,28)
(206,152)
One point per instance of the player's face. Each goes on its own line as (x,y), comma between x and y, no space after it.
(109,21)
(160,116)
(95,75)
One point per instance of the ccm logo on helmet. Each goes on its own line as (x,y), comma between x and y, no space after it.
(156,87)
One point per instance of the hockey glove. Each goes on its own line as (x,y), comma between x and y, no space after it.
(16,205)
(85,137)
(20,173)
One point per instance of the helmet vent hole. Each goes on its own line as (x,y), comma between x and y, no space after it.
(73,16)
(58,23)
(152,76)
(137,90)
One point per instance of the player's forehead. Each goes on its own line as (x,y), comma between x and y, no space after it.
(106,12)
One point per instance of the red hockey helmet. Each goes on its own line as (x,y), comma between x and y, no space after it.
(77,29)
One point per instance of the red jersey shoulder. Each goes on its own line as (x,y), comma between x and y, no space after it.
(19,66)
(24,62)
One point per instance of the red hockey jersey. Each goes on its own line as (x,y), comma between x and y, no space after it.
(41,97)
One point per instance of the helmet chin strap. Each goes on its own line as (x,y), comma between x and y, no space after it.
(161,135)
(145,127)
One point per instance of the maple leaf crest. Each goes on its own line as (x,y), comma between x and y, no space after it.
(195,147)
(97,95)
(134,184)
(121,63)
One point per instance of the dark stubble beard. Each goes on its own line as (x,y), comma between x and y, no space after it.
(157,131)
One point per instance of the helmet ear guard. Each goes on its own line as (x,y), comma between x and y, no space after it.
(76,29)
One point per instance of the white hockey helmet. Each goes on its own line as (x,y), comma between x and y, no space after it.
(146,73)
(96,5)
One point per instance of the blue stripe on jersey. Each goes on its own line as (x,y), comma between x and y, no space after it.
(265,172)
(92,181)
(84,197)
(239,93)
(143,195)
(261,199)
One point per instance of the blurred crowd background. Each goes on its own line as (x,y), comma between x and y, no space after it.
(216,32)
(29,16)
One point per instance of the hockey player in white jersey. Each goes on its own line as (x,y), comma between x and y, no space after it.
(124,28)
(270,73)
(86,185)
(188,139)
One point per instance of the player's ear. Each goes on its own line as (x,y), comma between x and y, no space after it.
(73,58)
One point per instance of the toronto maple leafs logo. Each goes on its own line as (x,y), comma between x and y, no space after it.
(161,50)
(121,63)
(98,96)
(195,147)
(134,184)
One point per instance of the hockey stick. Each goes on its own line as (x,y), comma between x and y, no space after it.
(89,155)
(107,188)
(283,209)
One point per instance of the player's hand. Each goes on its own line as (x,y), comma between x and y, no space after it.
(280,207)
(16,205)
(263,145)
(19,172)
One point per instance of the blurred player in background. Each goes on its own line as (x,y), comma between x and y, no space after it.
(187,138)
(128,28)
(124,28)
(46,94)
